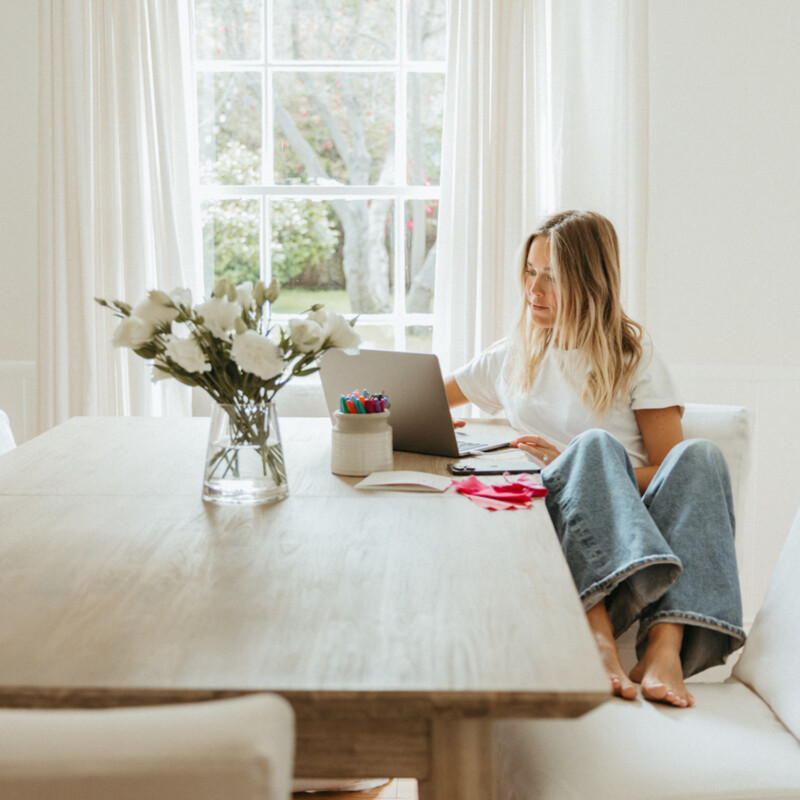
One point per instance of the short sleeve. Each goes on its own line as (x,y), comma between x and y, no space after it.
(655,386)
(480,379)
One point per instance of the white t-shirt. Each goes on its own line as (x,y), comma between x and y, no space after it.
(553,409)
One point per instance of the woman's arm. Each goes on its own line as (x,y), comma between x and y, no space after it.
(455,397)
(661,431)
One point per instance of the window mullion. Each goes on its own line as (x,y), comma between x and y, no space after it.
(268,148)
(400,179)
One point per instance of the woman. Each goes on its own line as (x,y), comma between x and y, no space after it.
(645,519)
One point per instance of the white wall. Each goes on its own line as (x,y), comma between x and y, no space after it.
(18,175)
(723,269)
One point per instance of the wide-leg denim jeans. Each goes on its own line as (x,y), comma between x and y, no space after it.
(666,556)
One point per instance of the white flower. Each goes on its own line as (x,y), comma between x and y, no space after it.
(154,312)
(342,334)
(181,296)
(132,332)
(180,330)
(244,294)
(264,294)
(337,330)
(273,290)
(257,354)
(306,335)
(219,315)
(187,354)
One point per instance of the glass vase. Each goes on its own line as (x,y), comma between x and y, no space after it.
(244,460)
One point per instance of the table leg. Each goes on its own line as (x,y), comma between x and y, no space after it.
(461,760)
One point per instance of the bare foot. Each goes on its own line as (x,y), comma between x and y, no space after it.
(603,632)
(659,671)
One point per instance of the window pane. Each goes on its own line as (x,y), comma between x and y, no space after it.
(334,127)
(425,112)
(376,337)
(228,29)
(231,239)
(334,29)
(333,251)
(427,24)
(421,221)
(419,338)
(229,109)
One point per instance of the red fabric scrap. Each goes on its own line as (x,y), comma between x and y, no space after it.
(518,493)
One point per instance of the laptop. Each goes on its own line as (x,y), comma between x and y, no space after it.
(420,417)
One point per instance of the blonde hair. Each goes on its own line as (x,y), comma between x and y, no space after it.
(584,262)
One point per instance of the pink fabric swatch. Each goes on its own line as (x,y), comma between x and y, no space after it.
(518,493)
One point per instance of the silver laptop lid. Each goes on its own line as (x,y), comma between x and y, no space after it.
(420,417)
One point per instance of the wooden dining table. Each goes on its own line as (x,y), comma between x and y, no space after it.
(398,624)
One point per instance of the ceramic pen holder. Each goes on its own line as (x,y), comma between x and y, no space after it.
(361,443)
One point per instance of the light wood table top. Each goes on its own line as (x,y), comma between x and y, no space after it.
(397,624)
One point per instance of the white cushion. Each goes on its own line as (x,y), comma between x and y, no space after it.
(240,749)
(728,428)
(6,435)
(729,745)
(770,662)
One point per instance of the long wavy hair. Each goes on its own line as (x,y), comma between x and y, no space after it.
(584,262)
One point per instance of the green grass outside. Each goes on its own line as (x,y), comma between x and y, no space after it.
(295,300)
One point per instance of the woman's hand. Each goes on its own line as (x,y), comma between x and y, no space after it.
(539,448)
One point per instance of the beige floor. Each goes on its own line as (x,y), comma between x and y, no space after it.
(398,789)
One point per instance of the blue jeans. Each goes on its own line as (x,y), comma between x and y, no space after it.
(666,556)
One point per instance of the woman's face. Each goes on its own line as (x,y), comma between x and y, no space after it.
(540,285)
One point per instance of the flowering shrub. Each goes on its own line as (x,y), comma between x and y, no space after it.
(227,344)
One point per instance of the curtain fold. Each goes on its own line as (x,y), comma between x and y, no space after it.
(598,122)
(488,172)
(545,109)
(117,208)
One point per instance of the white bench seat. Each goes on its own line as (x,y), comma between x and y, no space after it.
(740,741)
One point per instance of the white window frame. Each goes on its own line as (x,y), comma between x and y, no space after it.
(398,319)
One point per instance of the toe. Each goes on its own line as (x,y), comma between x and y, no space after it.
(629,691)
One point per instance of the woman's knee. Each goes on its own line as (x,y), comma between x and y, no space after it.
(700,454)
(591,450)
(596,439)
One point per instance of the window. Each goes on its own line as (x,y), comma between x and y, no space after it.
(320,138)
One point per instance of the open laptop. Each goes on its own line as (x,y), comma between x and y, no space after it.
(420,417)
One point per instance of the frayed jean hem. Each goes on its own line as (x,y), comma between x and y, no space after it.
(707,641)
(637,600)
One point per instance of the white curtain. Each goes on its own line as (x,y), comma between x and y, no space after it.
(117,214)
(545,109)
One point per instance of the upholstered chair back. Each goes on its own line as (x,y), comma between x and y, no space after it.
(238,749)
(728,428)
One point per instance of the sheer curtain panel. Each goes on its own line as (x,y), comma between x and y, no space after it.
(596,122)
(545,109)
(117,212)
(488,172)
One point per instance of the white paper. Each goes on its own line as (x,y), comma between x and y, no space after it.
(405,481)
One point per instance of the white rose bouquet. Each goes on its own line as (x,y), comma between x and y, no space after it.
(228,347)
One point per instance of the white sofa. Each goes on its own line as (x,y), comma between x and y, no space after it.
(741,739)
